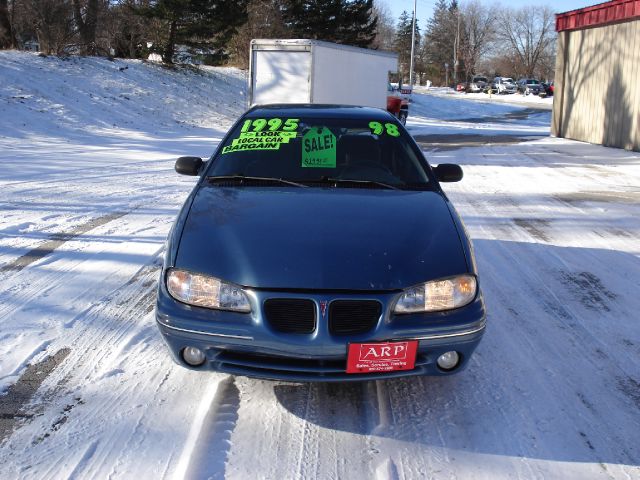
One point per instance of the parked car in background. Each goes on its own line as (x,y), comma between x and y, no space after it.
(548,88)
(505,85)
(398,98)
(530,86)
(490,87)
(478,84)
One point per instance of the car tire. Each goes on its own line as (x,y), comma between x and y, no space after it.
(402,116)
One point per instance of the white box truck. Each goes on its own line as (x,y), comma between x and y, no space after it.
(311,71)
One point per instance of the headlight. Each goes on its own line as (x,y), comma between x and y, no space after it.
(438,295)
(205,291)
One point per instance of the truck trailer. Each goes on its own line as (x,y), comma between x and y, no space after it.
(312,71)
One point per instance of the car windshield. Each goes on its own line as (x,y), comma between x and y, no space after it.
(480,79)
(532,82)
(312,150)
(507,80)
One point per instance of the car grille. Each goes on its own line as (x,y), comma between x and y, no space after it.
(291,315)
(350,317)
(302,369)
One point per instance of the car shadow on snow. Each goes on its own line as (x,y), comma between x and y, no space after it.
(556,377)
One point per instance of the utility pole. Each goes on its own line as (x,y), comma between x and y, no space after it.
(413,43)
(456,49)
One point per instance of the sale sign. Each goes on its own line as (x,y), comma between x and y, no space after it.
(381,356)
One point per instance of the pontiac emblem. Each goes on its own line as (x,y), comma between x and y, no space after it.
(323,308)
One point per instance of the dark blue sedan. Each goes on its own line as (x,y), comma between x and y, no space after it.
(318,245)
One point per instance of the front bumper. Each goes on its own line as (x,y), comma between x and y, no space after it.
(245,344)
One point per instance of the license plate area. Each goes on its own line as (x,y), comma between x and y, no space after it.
(381,356)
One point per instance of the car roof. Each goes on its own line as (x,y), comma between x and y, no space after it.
(318,111)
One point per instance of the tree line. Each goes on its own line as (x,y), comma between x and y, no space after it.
(462,40)
(213,31)
(459,40)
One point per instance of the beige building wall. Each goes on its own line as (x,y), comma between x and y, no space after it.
(597,85)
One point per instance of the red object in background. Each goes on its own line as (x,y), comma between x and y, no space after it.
(381,356)
(601,14)
(461,87)
(394,104)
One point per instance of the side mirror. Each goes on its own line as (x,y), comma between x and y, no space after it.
(189,165)
(448,172)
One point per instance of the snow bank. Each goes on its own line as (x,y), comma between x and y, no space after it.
(66,126)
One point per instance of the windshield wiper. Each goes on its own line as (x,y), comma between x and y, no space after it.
(246,180)
(346,181)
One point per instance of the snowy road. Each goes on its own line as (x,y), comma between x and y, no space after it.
(88,195)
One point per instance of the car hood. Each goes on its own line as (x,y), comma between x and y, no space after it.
(310,238)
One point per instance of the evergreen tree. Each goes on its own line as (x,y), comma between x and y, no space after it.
(358,26)
(440,37)
(350,22)
(403,43)
(206,24)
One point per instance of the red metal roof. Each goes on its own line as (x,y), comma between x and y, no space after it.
(601,14)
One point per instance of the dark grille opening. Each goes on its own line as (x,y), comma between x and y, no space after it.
(291,315)
(350,317)
(268,366)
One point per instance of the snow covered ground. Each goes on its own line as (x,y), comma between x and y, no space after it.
(88,194)
(451,113)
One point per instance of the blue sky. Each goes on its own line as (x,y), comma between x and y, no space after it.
(425,7)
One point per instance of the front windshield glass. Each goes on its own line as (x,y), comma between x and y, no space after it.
(532,82)
(312,149)
(507,80)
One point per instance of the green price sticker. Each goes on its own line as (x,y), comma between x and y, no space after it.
(377,128)
(319,148)
(272,124)
(263,134)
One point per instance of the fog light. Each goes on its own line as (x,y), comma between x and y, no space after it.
(448,360)
(193,356)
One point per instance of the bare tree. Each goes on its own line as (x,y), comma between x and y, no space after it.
(125,33)
(529,33)
(385,29)
(52,22)
(85,15)
(478,23)
(264,20)
(7,37)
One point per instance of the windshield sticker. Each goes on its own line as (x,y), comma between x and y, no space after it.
(273,124)
(377,128)
(319,148)
(263,134)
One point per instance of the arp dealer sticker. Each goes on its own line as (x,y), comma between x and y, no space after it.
(381,356)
